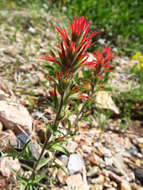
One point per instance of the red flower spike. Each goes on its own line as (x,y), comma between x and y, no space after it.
(63,34)
(108,53)
(59,75)
(51,58)
(102,61)
(72,53)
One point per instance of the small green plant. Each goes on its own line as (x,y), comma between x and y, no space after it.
(67,90)
(138,57)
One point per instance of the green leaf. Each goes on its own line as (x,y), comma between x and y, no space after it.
(59,148)
(48,130)
(43,162)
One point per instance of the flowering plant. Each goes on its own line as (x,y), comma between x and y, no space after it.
(138,57)
(71,59)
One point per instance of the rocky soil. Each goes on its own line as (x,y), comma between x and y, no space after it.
(99,160)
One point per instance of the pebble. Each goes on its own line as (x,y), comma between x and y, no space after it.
(74,181)
(106,152)
(99,180)
(93,171)
(108,161)
(1,126)
(119,164)
(97,187)
(64,159)
(86,148)
(125,186)
(82,187)
(75,164)
(71,146)
(139,140)
(139,174)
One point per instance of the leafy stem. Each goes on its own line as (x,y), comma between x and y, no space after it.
(84,104)
(32,176)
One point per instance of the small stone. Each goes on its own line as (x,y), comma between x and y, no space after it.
(1,126)
(139,140)
(119,164)
(71,146)
(139,174)
(64,159)
(82,187)
(74,181)
(136,187)
(22,139)
(61,175)
(93,171)
(86,148)
(125,186)
(108,161)
(41,76)
(114,184)
(98,180)
(26,67)
(7,165)
(97,187)
(97,160)
(15,116)
(75,163)
(7,137)
(106,152)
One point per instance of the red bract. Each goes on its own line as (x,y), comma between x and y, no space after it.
(108,54)
(79,30)
(72,53)
(102,61)
(84,97)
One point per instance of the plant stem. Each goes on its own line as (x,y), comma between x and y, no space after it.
(79,113)
(46,141)
(82,108)
(59,111)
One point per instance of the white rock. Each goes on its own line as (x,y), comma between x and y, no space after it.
(75,163)
(15,116)
(108,161)
(7,164)
(140,140)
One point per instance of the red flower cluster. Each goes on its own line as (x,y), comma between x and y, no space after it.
(102,61)
(72,53)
